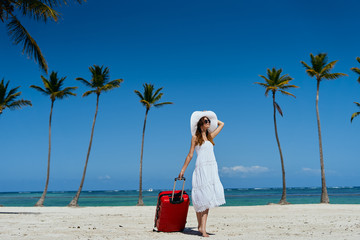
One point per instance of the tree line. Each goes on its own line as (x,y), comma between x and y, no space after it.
(99,83)
(320,69)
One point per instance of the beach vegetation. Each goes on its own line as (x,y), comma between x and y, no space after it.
(356,70)
(38,10)
(99,83)
(53,88)
(148,98)
(275,82)
(320,69)
(8,98)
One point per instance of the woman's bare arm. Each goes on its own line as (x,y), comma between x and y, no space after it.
(188,157)
(218,129)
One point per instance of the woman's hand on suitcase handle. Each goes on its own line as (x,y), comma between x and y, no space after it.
(181,174)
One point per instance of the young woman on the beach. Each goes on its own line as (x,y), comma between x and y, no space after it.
(207,190)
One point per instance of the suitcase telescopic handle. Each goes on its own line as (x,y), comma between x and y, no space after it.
(182,191)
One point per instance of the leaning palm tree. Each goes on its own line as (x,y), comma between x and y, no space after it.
(54,89)
(8,98)
(148,99)
(42,10)
(100,82)
(356,70)
(320,70)
(275,82)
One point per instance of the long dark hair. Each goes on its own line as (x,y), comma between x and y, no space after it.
(199,138)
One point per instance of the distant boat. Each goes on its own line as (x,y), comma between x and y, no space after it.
(150,190)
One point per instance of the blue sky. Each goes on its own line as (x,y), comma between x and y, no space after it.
(207,56)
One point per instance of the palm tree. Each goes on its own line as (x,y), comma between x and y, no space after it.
(54,89)
(275,82)
(356,70)
(320,69)
(99,83)
(36,9)
(8,98)
(148,99)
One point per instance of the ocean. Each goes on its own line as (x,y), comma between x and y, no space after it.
(234,197)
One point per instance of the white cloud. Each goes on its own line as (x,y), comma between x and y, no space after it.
(243,171)
(106,177)
(311,171)
(318,171)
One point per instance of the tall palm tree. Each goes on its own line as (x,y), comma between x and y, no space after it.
(356,70)
(320,69)
(54,89)
(42,10)
(100,82)
(275,82)
(8,98)
(148,99)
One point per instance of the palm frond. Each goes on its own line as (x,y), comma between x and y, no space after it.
(261,84)
(12,91)
(328,67)
(267,90)
(39,10)
(357,104)
(265,78)
(289,86)
(20,35)
(155,95)
(157,98)
(278,108)
(11,98)
(46,84)
(19,104)
(111,85)
(305,65)
(85,82)
(39,89)
(65,93)
(355,70)
(139,94)
(354,115)
(311,72)
(146,103)
(87,93)
(162,104)
(333,76)
(287,93)
(58,3)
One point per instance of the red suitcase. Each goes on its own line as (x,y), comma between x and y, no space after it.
(171,210)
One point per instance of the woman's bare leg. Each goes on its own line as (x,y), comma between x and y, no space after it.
(198,216)
(204,216)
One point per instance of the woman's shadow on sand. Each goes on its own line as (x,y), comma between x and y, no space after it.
(193,231)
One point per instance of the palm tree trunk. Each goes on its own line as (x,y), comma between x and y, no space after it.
(74,202)
(40,202)
(283,197)
(140,201)
(324,194)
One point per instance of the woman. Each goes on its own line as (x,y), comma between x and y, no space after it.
(207,190)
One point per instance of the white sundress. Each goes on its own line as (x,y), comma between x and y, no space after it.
(207,190)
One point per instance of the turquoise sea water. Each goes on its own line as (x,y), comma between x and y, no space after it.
(234,197)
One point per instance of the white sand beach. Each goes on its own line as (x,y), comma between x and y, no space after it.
(313,221)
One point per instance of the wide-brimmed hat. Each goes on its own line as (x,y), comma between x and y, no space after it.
(197,115)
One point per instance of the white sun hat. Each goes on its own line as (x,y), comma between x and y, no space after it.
(197,115)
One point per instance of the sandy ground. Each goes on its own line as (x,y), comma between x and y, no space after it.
(313,221)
